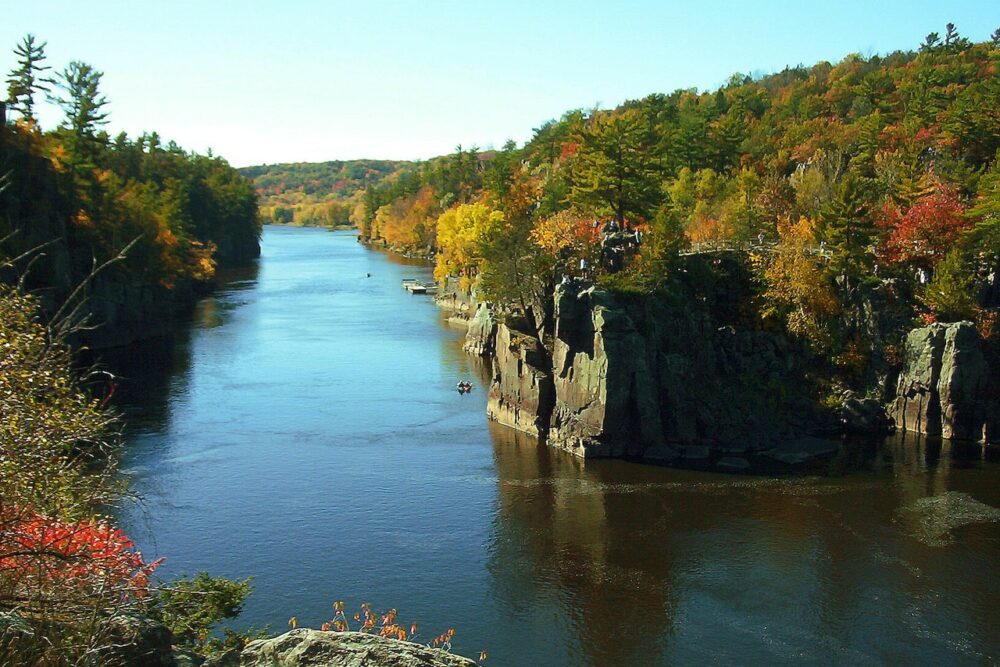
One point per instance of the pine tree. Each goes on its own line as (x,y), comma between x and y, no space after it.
(849,230)
(84,107)
(27,78)
(615,173)
(949,293)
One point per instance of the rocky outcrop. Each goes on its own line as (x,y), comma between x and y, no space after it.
(605,392)
(521,392)
(863,416)
(315,648)
(643,378)
(481,337)
(455,300)
(944,386)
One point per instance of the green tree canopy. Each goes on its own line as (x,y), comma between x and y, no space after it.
(615,173)
(84,106)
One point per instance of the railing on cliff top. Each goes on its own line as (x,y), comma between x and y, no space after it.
(708,247)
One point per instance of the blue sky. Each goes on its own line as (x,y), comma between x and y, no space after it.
(264,82)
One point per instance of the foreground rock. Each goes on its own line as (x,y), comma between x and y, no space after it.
(944,386)
(315,648)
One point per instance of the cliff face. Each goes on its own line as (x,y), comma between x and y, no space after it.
(482,334)
(605,379)
(946,387)
(649,379)
(646,379)
(521,393)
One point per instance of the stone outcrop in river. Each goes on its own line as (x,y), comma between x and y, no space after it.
(642,378)
(945,386)
(482,334)
(605,397)
(521,393)
(676,379)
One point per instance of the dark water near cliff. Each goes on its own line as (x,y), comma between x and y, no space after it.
(305,429)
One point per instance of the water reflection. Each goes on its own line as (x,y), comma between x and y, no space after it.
(657,566)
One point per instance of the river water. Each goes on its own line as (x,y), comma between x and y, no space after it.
(304,429)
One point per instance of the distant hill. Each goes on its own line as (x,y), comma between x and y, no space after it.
(318,193)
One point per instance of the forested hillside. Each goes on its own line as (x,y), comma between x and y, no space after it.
(73,198)
(873,180)
(322,194)
(870,169)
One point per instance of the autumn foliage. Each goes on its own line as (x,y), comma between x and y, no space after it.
(87,555)
(65,570)
(928,229)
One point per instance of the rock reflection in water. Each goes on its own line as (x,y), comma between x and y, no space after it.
(661,566)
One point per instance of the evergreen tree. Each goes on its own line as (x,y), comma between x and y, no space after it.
(615,173)
(953,42)
(949,293)
(84,107)
(28,77)
(849,230)
(931,42)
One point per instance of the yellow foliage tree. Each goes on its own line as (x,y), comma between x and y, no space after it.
(567,236)
(797,287)
(459,234)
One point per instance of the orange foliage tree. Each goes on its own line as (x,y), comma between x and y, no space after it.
(568,237)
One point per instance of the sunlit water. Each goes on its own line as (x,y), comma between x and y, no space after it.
(304,429)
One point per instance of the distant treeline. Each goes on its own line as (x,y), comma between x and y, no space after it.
(73,197)
(322,193)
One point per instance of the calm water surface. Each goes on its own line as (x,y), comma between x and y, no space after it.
(304,429)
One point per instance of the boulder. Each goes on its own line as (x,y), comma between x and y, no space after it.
(797,451)
(315,648)
(733,464)
(138,640)
(863,416)
(228,658)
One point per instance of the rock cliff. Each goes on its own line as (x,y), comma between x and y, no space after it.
(521,393)
(669,379)
(481,337)
(946,387)
(647,379)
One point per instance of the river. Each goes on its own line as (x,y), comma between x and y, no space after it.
(304,429)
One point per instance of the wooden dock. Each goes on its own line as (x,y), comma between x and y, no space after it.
(414,286)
